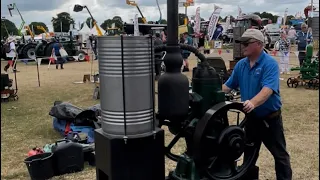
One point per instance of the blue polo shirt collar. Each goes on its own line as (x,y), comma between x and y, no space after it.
(261,57)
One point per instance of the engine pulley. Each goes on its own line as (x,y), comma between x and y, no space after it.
(231,142)
(218,145)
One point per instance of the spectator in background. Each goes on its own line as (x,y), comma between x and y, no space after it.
(56,53)
(185,53)
(267,39)
(158,56)
(163,36)
(284,49)
(206,45)
(94,47)
(303,38)
(11,55)
(292,35)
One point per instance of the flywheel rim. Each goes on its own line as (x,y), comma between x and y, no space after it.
(203,164)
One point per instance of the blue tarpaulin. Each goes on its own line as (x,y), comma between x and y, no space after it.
(296,21)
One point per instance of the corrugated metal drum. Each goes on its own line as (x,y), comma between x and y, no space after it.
(137,98)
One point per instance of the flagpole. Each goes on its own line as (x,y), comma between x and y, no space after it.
(38,72)
(311,15)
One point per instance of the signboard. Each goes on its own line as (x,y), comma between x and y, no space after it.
(198,19)
(213,21)
(186,3)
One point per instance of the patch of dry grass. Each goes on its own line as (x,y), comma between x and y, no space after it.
(26,123)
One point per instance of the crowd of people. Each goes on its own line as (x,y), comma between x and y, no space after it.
(291,37)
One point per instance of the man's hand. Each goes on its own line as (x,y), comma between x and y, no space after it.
(248,106)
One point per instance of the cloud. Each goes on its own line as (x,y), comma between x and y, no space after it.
(43,11)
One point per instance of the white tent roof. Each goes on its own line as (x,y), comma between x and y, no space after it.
(94,31)
(85,29)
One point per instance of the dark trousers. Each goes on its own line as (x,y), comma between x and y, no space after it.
(13,63)
(157,65)
(301,57)
(270,133)
(60,61)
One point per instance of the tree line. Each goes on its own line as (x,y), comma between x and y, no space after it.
(66,20)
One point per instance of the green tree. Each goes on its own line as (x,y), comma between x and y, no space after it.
(163,21)
(8,25)
(35,27)
(106,24)
(89,22)
(118,22)
(63,18)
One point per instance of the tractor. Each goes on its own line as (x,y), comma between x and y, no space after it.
(43,49)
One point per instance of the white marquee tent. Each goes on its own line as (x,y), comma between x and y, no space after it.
(85,32)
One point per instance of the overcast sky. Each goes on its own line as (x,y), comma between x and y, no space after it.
(43,11)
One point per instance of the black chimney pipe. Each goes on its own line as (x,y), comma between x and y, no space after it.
(173,86)
(172,21)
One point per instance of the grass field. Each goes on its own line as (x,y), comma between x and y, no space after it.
(25,123)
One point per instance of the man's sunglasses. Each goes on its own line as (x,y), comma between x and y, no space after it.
(247,43)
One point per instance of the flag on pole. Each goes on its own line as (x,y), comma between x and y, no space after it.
(213,21)
(285,16)
(239,11)
(198,20)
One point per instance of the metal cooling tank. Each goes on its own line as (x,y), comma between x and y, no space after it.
(137,97)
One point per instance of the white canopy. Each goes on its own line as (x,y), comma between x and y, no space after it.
(94,31)
(85,29)
(85,32)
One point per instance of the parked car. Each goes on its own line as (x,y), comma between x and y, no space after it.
(227,36)
(274,32)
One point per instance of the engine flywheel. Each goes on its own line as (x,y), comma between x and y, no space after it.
(219,145)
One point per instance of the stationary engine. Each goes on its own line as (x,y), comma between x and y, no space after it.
(130,144)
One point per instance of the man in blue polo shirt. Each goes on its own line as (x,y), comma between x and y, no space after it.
(257,76)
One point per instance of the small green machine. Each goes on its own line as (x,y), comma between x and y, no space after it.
(309,71)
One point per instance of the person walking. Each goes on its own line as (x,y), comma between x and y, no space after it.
(303,38)
(11,54)
(185,53)
(284,49)
(206,45)
(257,76)
(158,55)
(94,47)
(56,53)
(292,35)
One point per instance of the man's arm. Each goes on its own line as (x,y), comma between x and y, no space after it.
(225,88)
(270,85)
(233,81)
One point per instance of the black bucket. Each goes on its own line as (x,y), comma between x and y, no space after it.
(40,166)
